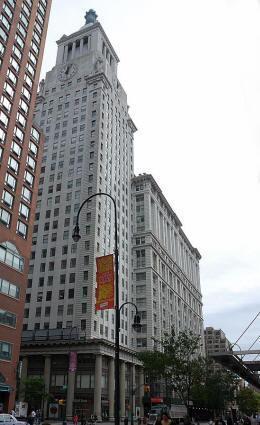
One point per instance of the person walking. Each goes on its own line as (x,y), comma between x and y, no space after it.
(165,419)
(75,419)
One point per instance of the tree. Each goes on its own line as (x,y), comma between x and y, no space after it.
(248,401)
(34,391)
(178,363)
(215,389)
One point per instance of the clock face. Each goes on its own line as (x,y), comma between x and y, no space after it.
(67,71)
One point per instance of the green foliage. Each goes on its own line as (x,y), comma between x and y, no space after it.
(178,362)
(215,390)
(248,401)
(34,390)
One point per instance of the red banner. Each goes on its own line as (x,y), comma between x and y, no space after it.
(73,361)
(105,282)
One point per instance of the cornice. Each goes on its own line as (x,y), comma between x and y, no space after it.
(97,77)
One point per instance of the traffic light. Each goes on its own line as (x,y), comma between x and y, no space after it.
(62,402)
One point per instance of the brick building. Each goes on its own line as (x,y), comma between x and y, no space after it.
(23,26)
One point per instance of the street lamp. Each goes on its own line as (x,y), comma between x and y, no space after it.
(136,325)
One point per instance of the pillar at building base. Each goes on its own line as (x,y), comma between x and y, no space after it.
(122,389)
(97,389)
(141,391)
(47,377)
(111,389)
(70,396)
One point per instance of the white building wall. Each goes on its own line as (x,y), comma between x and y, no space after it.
(173,297)
(83,111)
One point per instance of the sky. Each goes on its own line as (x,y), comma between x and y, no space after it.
(191,70)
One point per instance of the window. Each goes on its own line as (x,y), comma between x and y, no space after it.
(73,262)
(16,149)
(5,350)
(31,162)
(7,318)
(10,255)
(26,194)
(5,217)
(21,119)
(84,291)
(13,164)
(4,119)
(60,310)
(48,295)
(72,278)
(2,135)
(140,258)
(7,199)
(23,106)
(22,229)
(71,293)
(62,279)
(9,289)
(24,211)
(18,133)
(29,178)
(6,103)
(70,309)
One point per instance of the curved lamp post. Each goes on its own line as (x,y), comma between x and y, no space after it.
(76,237)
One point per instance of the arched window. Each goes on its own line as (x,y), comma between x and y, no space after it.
(10,256)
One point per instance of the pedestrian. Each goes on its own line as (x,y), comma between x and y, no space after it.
(33,415)
(165,419)
(126,420)
(13,412)
(75,419)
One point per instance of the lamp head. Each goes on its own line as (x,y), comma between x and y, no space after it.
(137,323)
(76,235)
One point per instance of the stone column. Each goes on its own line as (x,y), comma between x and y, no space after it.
(23,377)
(81,47)
(122,389)
(73,50)
(111,388)
(141,391)
(47,377)
(70,395)
(65,54)
(97,390)
(132,389)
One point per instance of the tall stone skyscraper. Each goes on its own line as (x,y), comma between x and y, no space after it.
(166,273)
(23,27)
(83,111)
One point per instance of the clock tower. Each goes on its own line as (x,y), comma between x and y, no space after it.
(87,51)
(84,113)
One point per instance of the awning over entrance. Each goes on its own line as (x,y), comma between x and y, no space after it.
(5,388)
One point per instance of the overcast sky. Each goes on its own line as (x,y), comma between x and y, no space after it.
(191,69)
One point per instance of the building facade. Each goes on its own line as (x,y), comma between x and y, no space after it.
(166,277)
(82,109)
(23,27)
(215,341)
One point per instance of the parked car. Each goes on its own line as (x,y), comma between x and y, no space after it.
(6,419)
